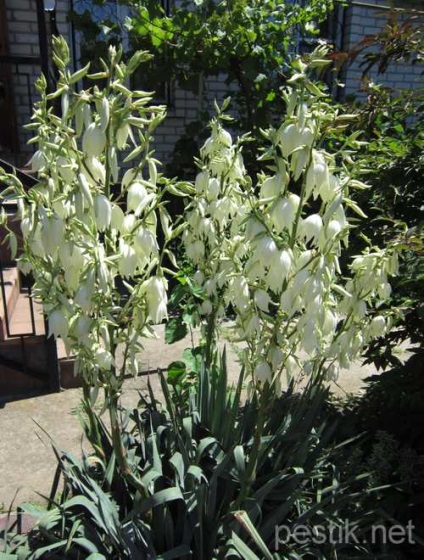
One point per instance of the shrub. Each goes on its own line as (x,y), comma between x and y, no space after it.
(218,479)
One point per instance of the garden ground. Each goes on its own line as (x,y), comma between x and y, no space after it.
(28,426)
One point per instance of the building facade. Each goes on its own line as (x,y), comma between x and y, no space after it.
(25,28)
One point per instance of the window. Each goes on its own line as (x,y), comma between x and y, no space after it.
(95,26)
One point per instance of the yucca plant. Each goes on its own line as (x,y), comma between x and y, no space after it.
(220,480)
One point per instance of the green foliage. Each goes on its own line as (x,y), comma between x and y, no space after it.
(218,477)
(392,163)
(390,413)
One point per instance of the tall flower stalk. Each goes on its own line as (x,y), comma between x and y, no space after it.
(270,247)
(89,226)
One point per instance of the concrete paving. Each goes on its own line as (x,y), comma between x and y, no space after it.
(27,427)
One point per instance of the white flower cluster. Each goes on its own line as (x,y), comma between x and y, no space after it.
(215,216)
(274,252)
(90,233)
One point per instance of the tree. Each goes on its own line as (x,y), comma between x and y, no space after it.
(250,42)
(393,120)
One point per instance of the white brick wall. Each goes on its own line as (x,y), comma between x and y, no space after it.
(184,110)
(22,26)
(23,38)
(363,21)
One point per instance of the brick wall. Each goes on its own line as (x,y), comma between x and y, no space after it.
(23,41)
(185,109)
(23,38)
(362,21)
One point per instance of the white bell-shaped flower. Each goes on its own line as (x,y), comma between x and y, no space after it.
(284,212)
(262,373)
(82,329)
(137,198)
(117,217)
(199,277)
(317,175)
(145,242)
(377,327)
(195,251)
(224,138)
(58,324)
(156,298)
(279,270)
(94,140)
(206,307)
(262,300)
(83,296)
(310,228)
(52,233)
(272,187)
(97,170)
(213,189)
(289,139)
(266,251)
(275,356)
(202,182)
(102,211)
(66,169)
(128,259)
(253,327)
(38,161)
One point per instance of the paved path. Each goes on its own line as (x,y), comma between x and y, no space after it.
(27,462)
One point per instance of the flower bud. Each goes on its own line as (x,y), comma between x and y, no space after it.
(104,112)
(122,136)
(104,359)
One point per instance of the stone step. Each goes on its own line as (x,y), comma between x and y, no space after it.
(24,367)
(15,384)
